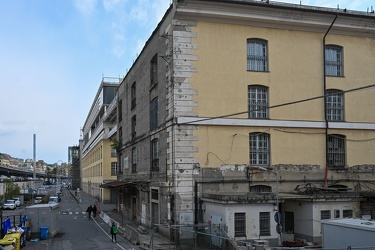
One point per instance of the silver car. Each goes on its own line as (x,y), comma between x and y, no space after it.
(38,200)
(9,204)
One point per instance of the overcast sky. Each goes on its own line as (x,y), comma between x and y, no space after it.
(53,55)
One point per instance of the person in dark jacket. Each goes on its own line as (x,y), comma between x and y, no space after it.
(89,211)
(94,210)
(114,232)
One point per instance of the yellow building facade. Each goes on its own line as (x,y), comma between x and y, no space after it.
(96,169)
(295,93)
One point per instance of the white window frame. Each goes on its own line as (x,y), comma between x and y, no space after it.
(257,54)
(259,149)
(257,101)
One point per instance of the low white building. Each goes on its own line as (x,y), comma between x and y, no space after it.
(349,232)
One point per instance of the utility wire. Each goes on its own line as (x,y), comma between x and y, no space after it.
(278,105)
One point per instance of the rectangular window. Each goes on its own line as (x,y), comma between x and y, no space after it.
(113,168)
(154,194)
(336,213)
(155,155)
(335,105)
(334,60)
(257,55)
(113,152)
(258,101)
(154,113)
(119,131)
(154,70)
(134,160)
(259,149)
(336,151)
(264,224)
(347,213)
(119,111)
(240,225)
(133,96)
(325,214)
(133,126)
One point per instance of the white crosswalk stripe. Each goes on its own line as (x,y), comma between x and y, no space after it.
(71,213)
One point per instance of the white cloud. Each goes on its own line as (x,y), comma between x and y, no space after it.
(110,5)
(86,7)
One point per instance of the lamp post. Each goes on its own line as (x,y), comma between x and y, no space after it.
(277,216)
(57,173)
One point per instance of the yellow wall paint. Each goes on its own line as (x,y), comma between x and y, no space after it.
(295,73)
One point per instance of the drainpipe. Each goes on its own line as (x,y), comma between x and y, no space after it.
(325,103)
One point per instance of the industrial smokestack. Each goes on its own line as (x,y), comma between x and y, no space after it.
(34,153)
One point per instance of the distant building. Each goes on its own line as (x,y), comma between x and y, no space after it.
(74,166)
(98,158)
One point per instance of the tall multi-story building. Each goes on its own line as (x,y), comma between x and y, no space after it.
(98,158)
(238,110)
(74,172)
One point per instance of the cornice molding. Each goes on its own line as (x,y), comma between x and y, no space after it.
(279,16)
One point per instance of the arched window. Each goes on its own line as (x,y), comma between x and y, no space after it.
(257,55)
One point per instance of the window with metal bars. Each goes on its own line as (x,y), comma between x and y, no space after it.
(334,60)
(264,224)
(258,101)
(325,214)
(347,213)
(336,151)
(260,189)
(259,149)
(335,105)
(155,155)
(239,224)
(257,55)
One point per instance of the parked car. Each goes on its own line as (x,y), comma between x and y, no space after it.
(10,204)
(38,200)
(17,201)
(53,200)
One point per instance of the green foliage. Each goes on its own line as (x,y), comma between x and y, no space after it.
(11,189)
(116,144)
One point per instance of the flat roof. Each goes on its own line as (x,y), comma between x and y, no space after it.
(357,223)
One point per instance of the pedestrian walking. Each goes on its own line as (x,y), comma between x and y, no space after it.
(94,209)
(89,211)
(114,231)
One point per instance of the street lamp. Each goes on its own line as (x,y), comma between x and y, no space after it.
(277,216)
(57,172)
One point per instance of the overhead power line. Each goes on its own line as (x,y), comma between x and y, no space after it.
(278,105)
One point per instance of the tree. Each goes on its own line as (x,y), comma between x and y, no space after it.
(116,144)
(11,189)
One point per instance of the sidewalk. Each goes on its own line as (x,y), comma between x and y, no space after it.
(130,230)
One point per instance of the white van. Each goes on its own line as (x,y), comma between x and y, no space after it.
(53,200)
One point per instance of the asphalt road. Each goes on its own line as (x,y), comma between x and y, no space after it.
(76,230)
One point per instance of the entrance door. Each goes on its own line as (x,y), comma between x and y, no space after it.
(134,208)
(155,213)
